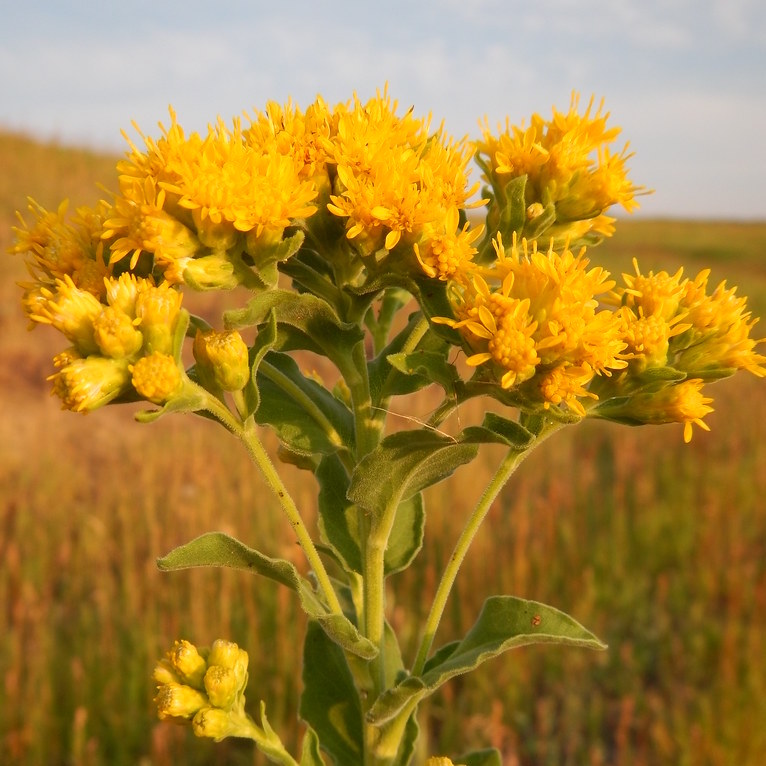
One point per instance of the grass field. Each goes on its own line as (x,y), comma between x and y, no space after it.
(658,547)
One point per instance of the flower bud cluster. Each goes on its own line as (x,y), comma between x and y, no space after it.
(204,686)
(122,344)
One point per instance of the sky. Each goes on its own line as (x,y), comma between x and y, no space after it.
(685,79)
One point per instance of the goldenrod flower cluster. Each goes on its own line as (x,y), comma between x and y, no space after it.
(674,328)
(533,320)
(361,195)
(569,173)
(205,687)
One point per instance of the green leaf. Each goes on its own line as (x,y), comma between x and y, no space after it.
(426,367)
(339,526)
(337,515)
(393,378)
(505,622)
(410,461)
(269,257)
(330,701)
(487,757)
(400,467)
(216,549)
(500,430)
(264,342)
(303,322)
(307,417)
(406,538)
(310,755)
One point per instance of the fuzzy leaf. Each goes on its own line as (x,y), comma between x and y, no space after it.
(339,528)
(307,417)
(330,701)
(410,461)
(216,549)
(505,622)
(303,322)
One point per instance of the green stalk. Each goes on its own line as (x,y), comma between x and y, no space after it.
(249,437)
(309,405)
(504,472)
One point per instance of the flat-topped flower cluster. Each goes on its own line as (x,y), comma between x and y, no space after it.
(370,200)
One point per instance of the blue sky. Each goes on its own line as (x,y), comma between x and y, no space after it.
(686,79)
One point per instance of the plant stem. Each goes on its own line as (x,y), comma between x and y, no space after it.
(249,437)
(504,472)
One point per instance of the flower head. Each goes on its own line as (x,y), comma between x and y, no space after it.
(568,165)
(534,316)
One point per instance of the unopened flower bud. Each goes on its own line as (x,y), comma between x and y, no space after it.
(224,357)
(212,722)
(158,308)
(86,384)
(211,272)
(156,377)
(164,673)
(116,334)
(188,663)
(228,655)
(178,701)
(222,686)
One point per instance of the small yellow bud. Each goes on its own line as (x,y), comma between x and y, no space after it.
(211,272)
(224,355)
(227,654)
(116,334)
(188,663)
(178,701)
(222,686)
(535,210)
(158,309)
(86,384)
(164,673)
(212,722)
(71,311)
(224,653)
(156,377)
(121,293)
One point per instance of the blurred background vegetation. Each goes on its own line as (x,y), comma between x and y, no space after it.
(658,547)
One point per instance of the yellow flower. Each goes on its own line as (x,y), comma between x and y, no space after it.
(568,163)
(156,377)
(178,701)
(393,181)
(720,330)
(58,247)
(84,384)
(533,316)
(137,223)
(214,723)
(223,355)
(116,334)
(222,686)
(70,310)
(648,337)
(301,135)
(158,309)
(679,403)
(566,385)
(449,254)
(188,663)
(672,321)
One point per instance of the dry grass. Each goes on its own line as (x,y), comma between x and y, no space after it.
(658,547)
